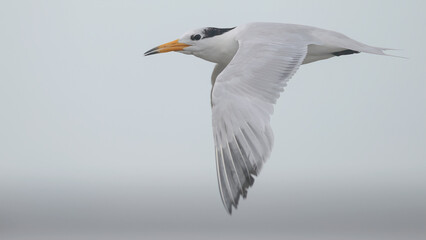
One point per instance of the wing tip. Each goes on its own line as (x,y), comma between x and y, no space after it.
(239,161)
(229,203)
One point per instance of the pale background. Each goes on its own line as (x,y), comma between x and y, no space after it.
(98,141)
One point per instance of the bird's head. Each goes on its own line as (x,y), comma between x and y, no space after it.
(206,43)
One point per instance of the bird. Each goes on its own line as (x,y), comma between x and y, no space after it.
(254,62)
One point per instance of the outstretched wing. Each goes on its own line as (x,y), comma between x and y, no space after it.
(242,102)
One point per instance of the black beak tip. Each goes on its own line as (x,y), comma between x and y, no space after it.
(151,51)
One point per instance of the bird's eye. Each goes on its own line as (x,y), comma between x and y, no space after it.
(196,37)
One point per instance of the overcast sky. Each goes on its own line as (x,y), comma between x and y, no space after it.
(98,140)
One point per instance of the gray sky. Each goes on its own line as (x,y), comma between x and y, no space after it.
(98,140)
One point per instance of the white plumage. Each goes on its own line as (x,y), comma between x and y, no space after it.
(253,64)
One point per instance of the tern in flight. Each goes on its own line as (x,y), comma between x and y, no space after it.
(254,62)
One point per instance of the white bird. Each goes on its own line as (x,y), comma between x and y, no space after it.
(254,61)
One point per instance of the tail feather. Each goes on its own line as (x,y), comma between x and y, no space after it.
(391,55)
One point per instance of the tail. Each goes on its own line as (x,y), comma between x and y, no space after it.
(377,51)
(347,45)
(391,55)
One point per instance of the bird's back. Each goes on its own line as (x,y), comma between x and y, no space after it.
(322,43)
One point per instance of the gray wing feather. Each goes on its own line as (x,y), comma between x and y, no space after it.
(242,102)
(245,91)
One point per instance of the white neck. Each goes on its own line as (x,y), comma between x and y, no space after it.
(219,49)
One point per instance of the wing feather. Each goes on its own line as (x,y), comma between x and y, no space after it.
(242,101)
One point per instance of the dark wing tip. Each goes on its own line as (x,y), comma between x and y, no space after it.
(344,52)
(231,203)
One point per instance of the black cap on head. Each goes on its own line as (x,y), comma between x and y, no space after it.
(211,31)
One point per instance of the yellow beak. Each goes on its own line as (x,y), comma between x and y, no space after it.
(167,47)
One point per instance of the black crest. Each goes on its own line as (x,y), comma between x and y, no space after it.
(211,31)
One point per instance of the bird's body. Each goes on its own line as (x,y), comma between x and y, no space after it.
(253,64)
